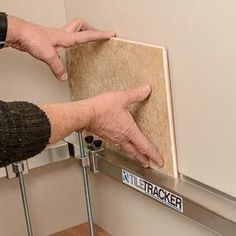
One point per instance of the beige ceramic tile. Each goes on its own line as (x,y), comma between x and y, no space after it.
(95,68)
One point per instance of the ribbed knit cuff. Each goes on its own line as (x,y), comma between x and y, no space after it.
(24,131)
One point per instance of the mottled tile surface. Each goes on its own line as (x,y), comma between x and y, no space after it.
(95,68)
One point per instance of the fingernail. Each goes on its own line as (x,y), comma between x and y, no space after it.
(158,159)
(113,34)
(146,165)
(161,162)
(78,28)
(64,77)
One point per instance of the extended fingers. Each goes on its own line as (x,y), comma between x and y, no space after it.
(69,39)
(145,147)
(77,24)
(133,153)
(92,35)
(140,142)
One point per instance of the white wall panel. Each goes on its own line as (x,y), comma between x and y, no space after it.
(200,37)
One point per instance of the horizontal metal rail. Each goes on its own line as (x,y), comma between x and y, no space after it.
(53,153)
(212,209)
(207,207)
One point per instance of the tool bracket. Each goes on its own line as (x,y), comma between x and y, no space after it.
(15,168)
(84,161)
(91,153)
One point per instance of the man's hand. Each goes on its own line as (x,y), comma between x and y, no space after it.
(112,120)
(44,43)
(106,115)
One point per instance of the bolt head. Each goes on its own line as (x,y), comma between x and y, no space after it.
(89,139)
(97,143)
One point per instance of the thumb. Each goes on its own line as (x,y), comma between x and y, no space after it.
(56,66)
(138,94)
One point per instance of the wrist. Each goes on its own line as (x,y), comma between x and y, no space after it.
(14,30)
(66,118)
(84,113)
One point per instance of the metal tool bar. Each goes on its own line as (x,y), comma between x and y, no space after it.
(202,205)
(213,209)
(18,168)
(86,184)
(53,153)
(25,204)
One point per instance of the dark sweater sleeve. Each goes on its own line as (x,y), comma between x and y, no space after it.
(24,131)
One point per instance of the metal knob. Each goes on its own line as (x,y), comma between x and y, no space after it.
(89,139)
(97,143)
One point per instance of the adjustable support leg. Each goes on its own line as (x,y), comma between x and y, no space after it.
(17,170)
(86,184)
(88,158)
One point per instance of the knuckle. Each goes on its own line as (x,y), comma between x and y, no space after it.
(50,56)
(68,39)
(131,156)
(124,136)
(59,70)
(144,149)
(126,133)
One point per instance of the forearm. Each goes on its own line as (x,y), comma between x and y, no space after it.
(67,117)
(24,131)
